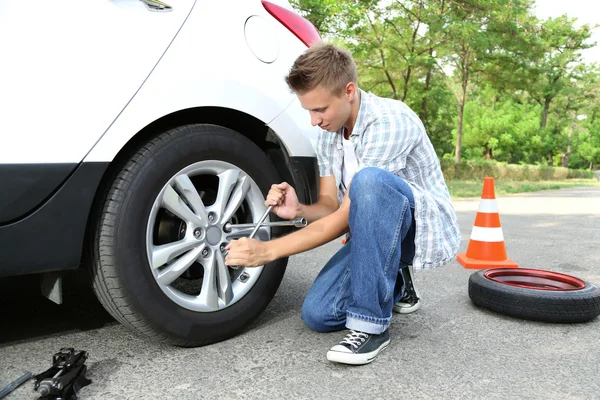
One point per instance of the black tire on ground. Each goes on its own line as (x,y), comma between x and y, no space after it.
(122,279)
(559,306)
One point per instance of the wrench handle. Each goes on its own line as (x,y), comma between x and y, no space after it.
(260,221)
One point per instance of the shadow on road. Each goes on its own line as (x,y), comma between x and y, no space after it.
(27,315)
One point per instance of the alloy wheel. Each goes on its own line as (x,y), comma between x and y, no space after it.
(185,235)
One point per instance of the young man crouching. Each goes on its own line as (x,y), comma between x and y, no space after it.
(381,184)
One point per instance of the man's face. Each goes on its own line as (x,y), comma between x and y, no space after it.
(328,111)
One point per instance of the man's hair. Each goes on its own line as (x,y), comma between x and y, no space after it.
(324,65)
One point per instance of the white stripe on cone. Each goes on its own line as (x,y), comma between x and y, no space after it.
(487,234)
(488,206)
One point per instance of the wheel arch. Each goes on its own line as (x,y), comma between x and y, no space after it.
(239,121)
(251,127)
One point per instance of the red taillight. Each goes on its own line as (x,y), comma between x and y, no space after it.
(297,24)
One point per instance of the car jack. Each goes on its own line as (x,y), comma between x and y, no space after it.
(65,378)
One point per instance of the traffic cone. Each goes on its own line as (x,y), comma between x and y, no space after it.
(486,246)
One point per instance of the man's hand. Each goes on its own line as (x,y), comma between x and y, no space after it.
(284,200)
(247,252)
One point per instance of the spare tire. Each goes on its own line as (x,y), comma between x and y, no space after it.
(535,294)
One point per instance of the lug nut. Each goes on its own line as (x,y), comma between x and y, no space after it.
(211,217)
(197,233)
(222,248)
(244,277)
(205,253)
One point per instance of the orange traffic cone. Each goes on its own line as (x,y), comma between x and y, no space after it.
(486,247)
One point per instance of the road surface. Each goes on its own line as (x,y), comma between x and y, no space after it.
(448,349)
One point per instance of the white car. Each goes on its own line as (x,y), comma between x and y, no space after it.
(132,132)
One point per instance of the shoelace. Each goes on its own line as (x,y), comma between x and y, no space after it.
(355,338)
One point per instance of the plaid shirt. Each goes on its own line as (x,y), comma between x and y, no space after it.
(389,135)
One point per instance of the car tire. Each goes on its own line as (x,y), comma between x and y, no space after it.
(535,294)
(122,259)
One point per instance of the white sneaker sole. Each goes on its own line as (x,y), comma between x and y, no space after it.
(407,309)
(356,359)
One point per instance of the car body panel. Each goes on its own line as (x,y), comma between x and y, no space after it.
(296,119)
(67,114)
(210,77)
(71,72)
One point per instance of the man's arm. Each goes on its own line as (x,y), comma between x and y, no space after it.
(318,233)
(325,205)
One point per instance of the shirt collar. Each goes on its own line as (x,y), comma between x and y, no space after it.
(361,118)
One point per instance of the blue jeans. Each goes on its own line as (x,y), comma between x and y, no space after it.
(360,284)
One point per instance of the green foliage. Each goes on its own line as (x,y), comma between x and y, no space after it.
(488,79)
(502,129)
(477,169)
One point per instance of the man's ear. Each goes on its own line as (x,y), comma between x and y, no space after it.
(351,91)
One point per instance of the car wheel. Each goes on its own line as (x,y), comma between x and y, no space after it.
(157,252)
(535,294)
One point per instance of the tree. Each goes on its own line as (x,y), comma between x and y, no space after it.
(500,128)
(486,77)
(323,14)
(472,34)
(582,104)
(553,70)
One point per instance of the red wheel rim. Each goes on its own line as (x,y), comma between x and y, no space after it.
(534,279)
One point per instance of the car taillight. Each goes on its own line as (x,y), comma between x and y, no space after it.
(297,24)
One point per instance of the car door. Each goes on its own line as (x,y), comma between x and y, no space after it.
(67,70)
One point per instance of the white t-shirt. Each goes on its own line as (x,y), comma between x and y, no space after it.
(350,163)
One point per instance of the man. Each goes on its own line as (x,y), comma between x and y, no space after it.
(381,184)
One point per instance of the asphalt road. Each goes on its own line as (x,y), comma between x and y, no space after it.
(448,349)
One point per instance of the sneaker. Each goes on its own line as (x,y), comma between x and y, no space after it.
(410,302)
(407,304)
(359,348)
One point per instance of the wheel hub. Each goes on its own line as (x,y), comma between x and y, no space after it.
(213,235)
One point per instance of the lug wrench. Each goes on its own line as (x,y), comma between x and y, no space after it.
(298,222)
(15,384)
(260,221)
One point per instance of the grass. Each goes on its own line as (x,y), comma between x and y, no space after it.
(462,189)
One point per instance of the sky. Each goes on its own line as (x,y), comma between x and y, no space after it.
(586,12)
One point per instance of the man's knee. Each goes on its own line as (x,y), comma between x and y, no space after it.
(311,320)
(366,179)
(369,183)
(364,186)
(314,317)
(369,179)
